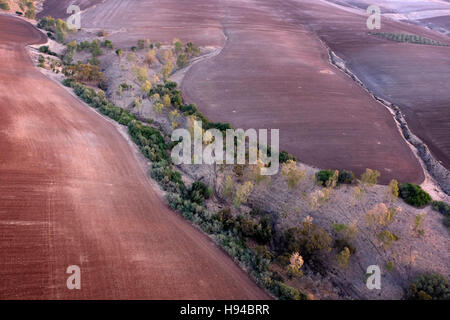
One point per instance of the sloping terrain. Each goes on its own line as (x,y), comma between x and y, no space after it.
(58,8)
(272,73)
(73,192)
(413,76)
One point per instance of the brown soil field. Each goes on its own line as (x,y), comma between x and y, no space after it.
(414,77)
(275,73)
(73,191)
(273,63)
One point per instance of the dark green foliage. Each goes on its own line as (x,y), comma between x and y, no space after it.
(94,47)
(199,192)
(108,44)
(125,86)
(182,60)
(84,72)
(441,206)
(59,27)
(446,222)
(285,292)
(285,157)
(341,243)
(323,176)
(430,286)
(46,50)
(308,239)
(192,50)
(346,177)
(4,5)
(414,195)
(47,23)
(263,230)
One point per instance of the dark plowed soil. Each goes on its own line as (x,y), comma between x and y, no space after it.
(275,73)
(72,192)
(58,8)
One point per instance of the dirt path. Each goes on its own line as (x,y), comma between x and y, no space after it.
(73,193)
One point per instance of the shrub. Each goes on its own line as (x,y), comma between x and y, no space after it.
(346,177)
(4,5)
(430,286)
(309,240)
(46,50)
(107,44)
(343,256)
(228,187)
(370,177)
(387,238)
(414,195)
(295,265)
(292,174)
(242,194)
(102,33)
(199,192)
(182,60)
(263,230)
(324,176)
(285,157)
(446,222)
(441,206)
(84,72)
(286,292)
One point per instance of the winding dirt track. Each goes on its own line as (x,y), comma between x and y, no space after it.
(72,192)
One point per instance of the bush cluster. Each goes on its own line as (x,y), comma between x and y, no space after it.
(57,26)
(344,177)
(46,50)
(443,208)
(429,286)
(414,195)
(231,233)
(87,73)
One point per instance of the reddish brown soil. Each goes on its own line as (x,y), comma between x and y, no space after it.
(415,77)
(72,192)
(273,73)
(58,8)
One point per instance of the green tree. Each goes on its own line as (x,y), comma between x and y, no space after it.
(370,177)
(242,194)
(228,187)
(430,286)
(292,174)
